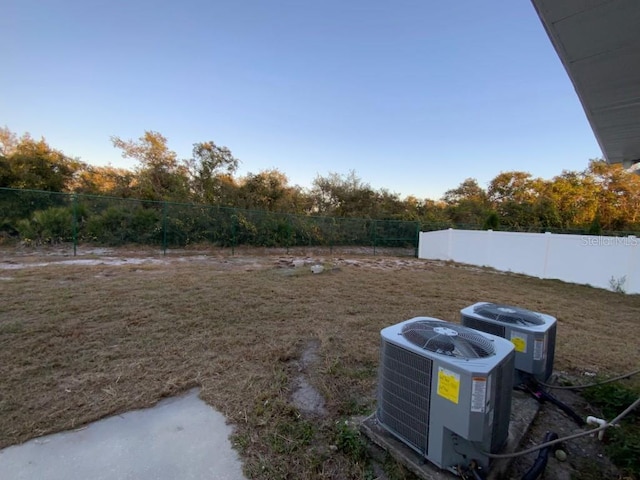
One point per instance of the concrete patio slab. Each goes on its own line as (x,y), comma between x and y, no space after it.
(180,437)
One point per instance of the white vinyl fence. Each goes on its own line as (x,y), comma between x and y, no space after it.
(584,259)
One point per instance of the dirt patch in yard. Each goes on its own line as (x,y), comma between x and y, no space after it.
(79,341)
(304,395)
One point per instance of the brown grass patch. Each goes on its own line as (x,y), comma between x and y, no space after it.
(80,342)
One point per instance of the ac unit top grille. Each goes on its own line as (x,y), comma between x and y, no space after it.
(448,339)
(508,314)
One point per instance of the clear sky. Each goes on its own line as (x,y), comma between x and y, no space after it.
(414,95)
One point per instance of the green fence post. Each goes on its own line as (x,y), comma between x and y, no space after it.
(289,231)
(417,239)
(332,228)
(75,223)
(164,228)
(373,235)
(234,219)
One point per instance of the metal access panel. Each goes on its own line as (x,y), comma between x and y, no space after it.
(479,421)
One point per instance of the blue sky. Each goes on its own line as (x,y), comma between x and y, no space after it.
(415,96)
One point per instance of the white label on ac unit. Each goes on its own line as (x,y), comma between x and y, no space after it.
(519,340)
(478,394)
(538,349)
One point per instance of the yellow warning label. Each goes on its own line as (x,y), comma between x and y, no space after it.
(520,342)
(448,384)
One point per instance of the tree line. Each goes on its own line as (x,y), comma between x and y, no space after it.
(600,198)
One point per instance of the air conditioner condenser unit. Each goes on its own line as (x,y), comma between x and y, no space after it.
(445,390)
(533,335)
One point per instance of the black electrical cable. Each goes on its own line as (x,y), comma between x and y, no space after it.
(477,475)
(564,407)
(533,386)
(541,461)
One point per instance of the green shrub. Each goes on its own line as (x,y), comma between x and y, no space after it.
(119,226)
(54,225)
(350,442)
(622,443)
(492,222)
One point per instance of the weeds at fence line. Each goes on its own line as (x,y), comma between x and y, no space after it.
(50,218)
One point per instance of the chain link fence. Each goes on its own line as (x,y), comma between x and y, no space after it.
(73,221)
(76,221)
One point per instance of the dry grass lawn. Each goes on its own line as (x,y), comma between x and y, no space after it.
(79,342)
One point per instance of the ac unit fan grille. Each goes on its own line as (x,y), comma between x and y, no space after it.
(508,314)
(404,395)
(456,341)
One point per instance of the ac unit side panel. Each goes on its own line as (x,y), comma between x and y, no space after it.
(451,400)
(472,415)
(404,392)
(502,394)
(491,427)
(531,350)
(551,351)
(450,414)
